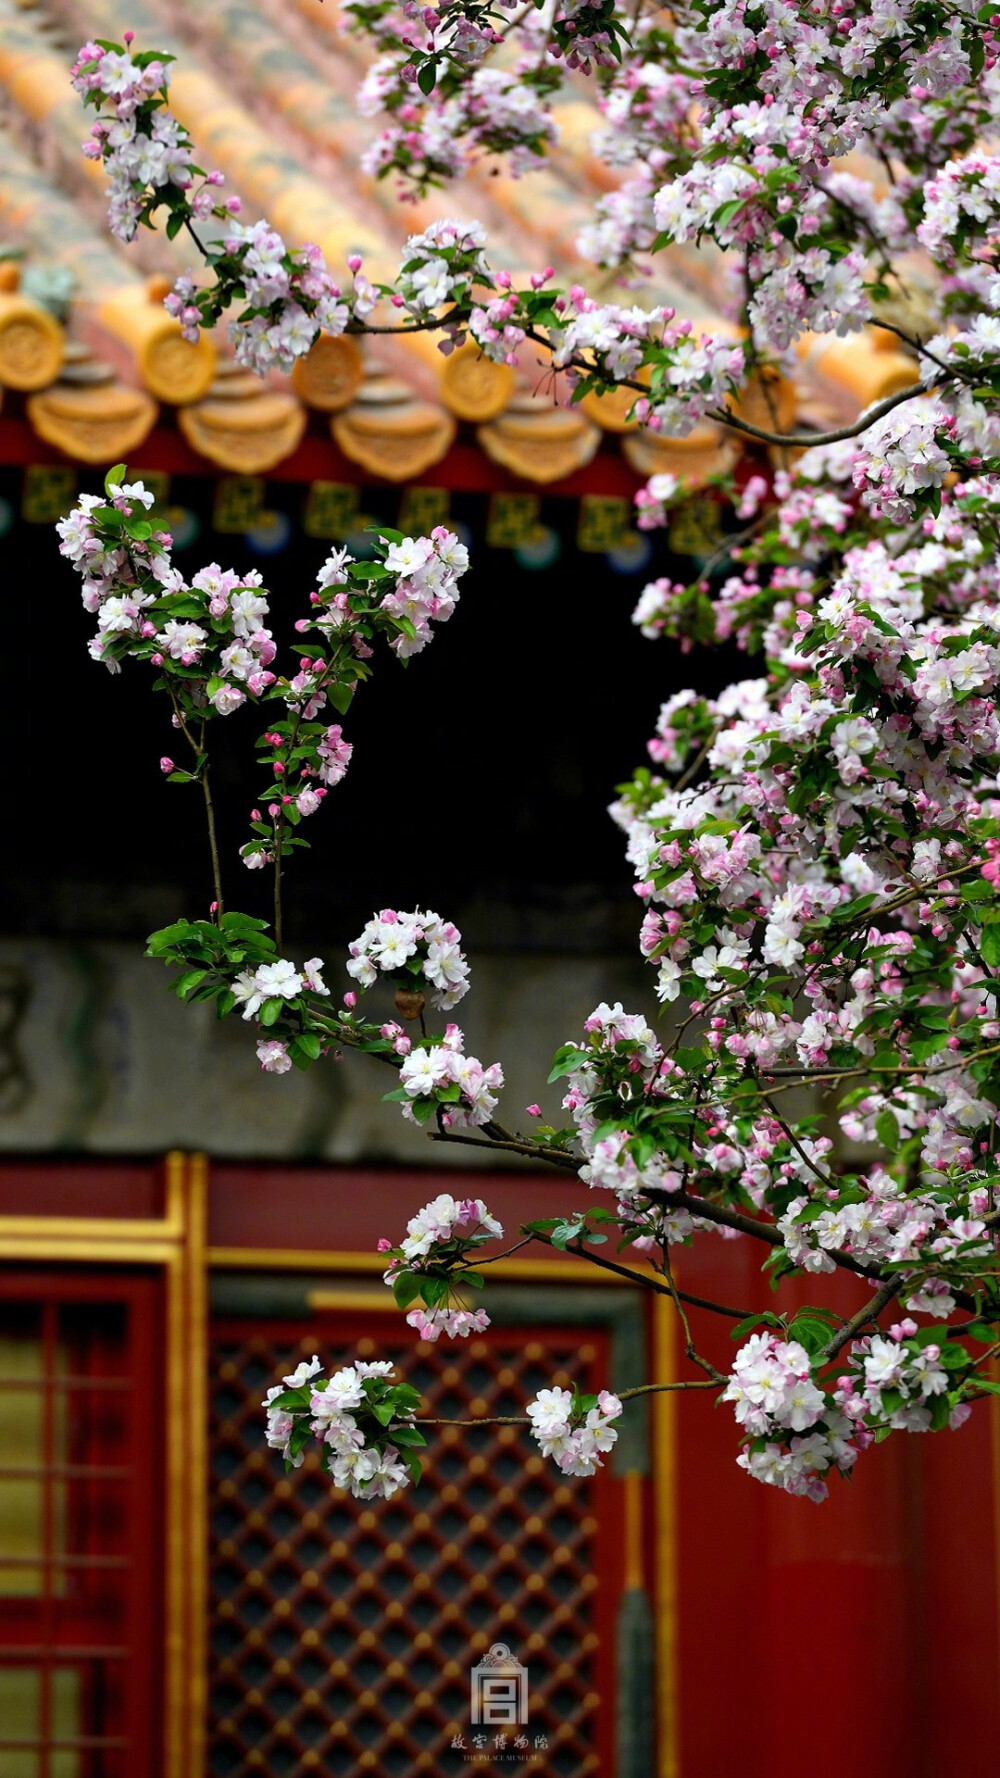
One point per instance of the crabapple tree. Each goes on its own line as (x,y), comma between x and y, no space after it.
(817,849)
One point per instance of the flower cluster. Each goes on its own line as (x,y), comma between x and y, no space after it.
(269,992)
(207,639)
(361,1419)
(285,296)
(438,1080)
(416,951)
(798,1430)
(436,136)
(411,583)
(908,1379)
(432,1264)
(573,1429)
(290,297)
(145,150)
(442,265)
(209,642)
(776,1399)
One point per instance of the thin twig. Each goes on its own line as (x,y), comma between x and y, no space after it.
(622,1394)
(200,751)
(693,1356)
(646,1280)
(556,1157)
(213,842)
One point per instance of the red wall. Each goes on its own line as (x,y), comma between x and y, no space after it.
(855,1639)
(858,1637)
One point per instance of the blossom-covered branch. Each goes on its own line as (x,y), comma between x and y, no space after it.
(817,848)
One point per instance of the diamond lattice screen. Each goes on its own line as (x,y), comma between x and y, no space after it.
(343,1633)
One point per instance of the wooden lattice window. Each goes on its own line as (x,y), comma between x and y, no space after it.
(78,1490)
(343,1634)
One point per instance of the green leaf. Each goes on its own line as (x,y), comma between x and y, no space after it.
(887,1130)
(413,1464)
(406,1287)
(187,981)
(812,1328)
(115,476)
(241,924)
(340,697)
(726,212)
(427,78)
(271,1011)
(294,1400)
(300,1435)
(752,1321)
(407,1435)
(989,945)
(167,937)
(566,1060)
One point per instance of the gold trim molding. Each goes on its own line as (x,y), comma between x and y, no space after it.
(302,1259)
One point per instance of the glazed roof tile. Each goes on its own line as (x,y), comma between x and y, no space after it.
(266,88)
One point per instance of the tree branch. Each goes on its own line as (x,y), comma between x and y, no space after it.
(808,440)
(869,1312)
(766,1231)
(693,1356)
(645,1280)
(623,1395)
(529,1150)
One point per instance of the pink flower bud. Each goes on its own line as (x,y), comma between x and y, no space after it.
(350,998)
(533,1110)
(166,765)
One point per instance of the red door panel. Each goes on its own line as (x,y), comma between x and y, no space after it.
(80,1524)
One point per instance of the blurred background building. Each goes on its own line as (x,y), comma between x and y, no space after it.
(178,1229)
